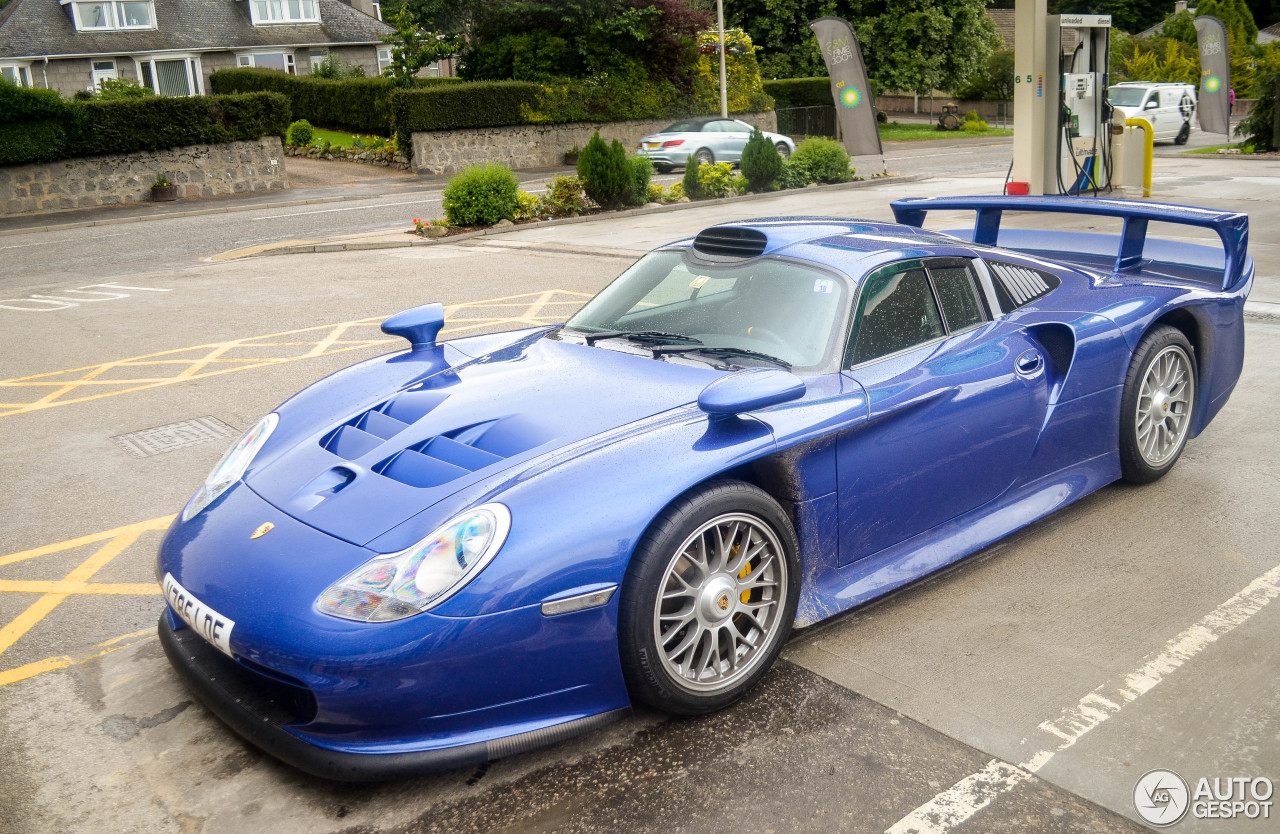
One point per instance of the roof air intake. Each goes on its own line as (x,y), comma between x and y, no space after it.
(730,241)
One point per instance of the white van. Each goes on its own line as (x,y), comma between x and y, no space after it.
(1169,107)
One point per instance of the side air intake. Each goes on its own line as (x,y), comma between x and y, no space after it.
(730,242)
(1018,286)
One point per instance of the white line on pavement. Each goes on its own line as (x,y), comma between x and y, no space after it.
(48,242)
(976,791)
(433,198)
(930,155)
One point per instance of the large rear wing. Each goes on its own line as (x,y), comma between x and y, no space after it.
(1232,227)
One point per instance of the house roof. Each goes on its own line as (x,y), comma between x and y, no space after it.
(1004,20)
(36,28)
(1269,34)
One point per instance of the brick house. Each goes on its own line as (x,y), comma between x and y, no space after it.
(172,46)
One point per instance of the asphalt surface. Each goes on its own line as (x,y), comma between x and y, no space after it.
(929,698)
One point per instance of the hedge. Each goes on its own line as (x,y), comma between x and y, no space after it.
(453,106)
(100,127)
(799,92)
(358,105)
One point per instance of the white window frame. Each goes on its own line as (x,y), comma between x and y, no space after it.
(115,10)
(384,58)
(257,6)
(250,59)
(314,57)
(377,10)
(191,63)
(21,72)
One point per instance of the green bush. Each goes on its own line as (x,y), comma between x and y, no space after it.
(1258,128)
(149,124)
(717,180)
(973,127)
(114,89)
(824,159)
(641,173)
(356,105)
(606,176)
(799,92)
(481,196)
(562,199)
(30,142)
(335,69)
(795,174)
(27,104)
(690,182)
(526,206)
(300,134)
(761,163)
(460,105)
(972,116)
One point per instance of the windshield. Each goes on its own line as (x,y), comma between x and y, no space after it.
(683,127)
(770,306)
(1126,96)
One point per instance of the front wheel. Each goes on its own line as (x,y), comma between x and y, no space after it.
(1159,400)
(708,599)
(1183,135)
(784,150)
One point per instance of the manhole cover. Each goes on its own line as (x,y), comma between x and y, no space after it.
(148,442)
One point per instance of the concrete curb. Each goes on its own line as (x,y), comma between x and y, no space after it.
(358,245)
(115,221)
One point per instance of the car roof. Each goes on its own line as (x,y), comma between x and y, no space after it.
(854,246)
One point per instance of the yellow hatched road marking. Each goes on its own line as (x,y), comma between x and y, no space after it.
(54,592)
(169,367)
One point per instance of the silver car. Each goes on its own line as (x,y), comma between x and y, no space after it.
(708,140)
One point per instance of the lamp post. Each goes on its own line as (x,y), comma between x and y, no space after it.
(724,86)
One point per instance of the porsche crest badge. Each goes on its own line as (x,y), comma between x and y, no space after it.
(263,529)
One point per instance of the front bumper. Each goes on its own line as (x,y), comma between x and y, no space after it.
(259,712)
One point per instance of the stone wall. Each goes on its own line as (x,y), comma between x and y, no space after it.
(200,170)
(364,157)
(533,146)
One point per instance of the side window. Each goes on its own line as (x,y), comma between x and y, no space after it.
(958,296)
(896,311)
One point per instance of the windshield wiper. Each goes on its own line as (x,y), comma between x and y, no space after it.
(722,351)
(640,336)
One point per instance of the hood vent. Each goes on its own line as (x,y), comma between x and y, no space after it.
(1017,286)
(730,242)
(365,432)
(443,458)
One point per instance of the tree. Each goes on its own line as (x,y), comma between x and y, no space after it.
(923,45)
(993,81)
(412,48)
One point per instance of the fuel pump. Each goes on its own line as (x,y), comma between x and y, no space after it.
(1081,152)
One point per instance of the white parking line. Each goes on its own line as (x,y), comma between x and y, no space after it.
(976,791)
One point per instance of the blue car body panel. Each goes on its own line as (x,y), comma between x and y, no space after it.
(889,470)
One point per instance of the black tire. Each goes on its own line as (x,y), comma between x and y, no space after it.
(1183,135)
(1144,459)
(705,156)
(662,169)
(660,553)
(784,150)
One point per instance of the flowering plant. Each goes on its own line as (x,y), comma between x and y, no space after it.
(419,224)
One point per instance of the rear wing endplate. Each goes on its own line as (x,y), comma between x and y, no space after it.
(1231,226)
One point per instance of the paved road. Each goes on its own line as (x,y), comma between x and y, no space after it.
(924,699)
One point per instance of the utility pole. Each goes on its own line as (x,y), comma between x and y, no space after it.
(724,86)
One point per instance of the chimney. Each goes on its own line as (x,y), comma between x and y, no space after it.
(1180,6)
(367,6)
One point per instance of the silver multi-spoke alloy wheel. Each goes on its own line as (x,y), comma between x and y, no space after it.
(1165,399)
(721,603)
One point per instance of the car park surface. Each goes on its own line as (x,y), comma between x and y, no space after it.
(969,663)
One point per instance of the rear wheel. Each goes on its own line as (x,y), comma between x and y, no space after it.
(784,150)
(705,157)
(708,599)
(1159,398)
(1183,135)
(662,169)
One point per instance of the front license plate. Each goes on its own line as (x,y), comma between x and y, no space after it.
(653,144)
(208,623)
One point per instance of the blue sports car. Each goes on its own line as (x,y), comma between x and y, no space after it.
(469,549)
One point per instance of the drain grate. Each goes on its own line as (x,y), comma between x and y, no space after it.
(161,439)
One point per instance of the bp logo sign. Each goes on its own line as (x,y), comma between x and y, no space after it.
(851,96)
(1213,83)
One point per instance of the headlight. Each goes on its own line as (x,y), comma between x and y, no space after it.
(399,585)
(232,466)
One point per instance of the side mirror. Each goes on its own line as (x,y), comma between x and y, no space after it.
(750,390)
(1152,105)
(420,325)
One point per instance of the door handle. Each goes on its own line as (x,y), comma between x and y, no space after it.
(1029,363)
